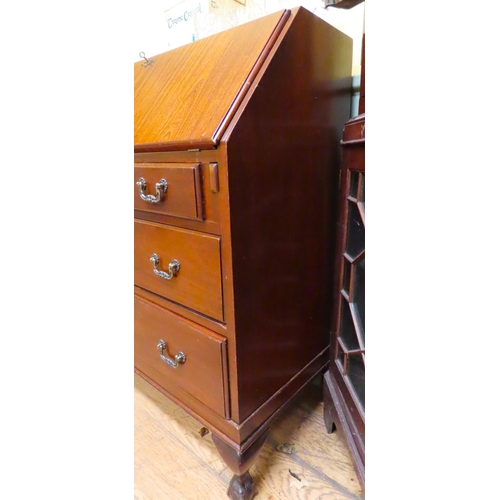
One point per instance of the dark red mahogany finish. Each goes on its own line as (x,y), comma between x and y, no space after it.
(344,383)
(256,115)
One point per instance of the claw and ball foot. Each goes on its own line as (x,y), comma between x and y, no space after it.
(241,486)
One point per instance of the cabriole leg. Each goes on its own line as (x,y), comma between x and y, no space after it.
(241,486)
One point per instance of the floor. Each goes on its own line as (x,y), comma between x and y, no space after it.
(174,461)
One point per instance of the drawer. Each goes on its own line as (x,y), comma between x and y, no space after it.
(202,374)
(179,196)
(198,282)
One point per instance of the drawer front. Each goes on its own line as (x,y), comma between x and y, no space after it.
(182,196)
(203,372)
(197,284)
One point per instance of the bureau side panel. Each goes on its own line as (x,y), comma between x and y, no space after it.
(283,164)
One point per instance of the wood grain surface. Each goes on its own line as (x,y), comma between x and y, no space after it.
(183,196)
(183,97)
(198,283)
(205,354)
(172,460)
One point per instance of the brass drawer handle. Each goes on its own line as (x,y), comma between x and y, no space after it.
(161,189)
(180,357)
(173,268)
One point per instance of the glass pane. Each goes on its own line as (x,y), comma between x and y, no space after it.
(347,331)
(362,194)
(355,232)
(340,358)
(358,296)
(356,375)
(347,277)
(353,188)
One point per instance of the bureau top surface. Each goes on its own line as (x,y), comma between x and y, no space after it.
(186,97)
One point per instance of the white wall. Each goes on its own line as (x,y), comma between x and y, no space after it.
(152,34)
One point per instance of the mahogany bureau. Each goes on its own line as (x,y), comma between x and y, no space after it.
(236,158)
